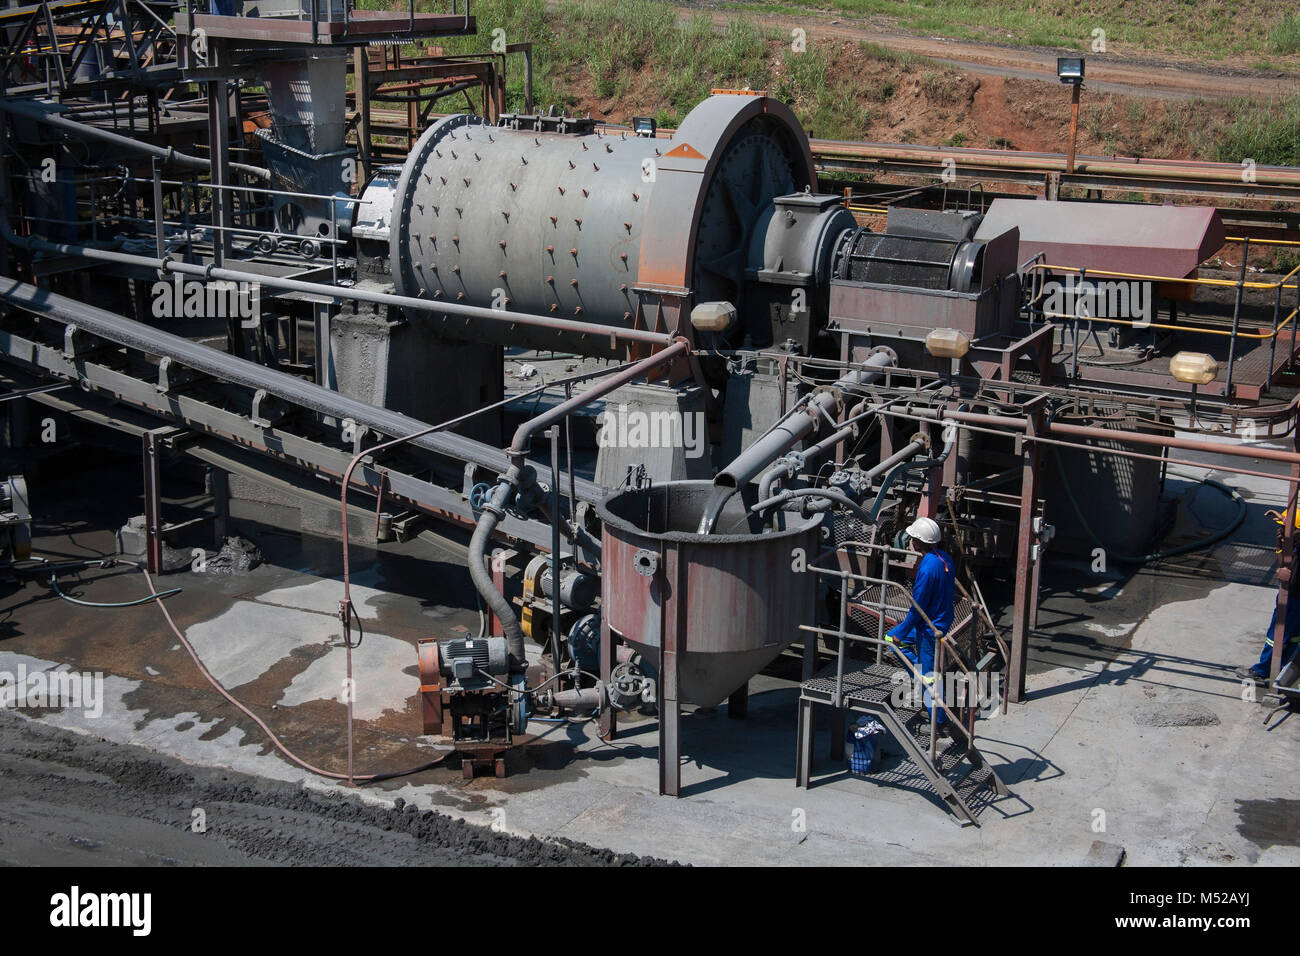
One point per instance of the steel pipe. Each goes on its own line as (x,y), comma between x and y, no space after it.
(640,336)
(517,476)
(166,154)
(816,407)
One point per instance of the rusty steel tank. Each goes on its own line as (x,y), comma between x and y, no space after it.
(735,595)
(555,216)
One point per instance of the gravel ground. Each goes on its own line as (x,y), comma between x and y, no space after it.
(68,799)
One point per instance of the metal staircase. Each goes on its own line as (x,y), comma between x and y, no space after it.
(941,749)
(958,772)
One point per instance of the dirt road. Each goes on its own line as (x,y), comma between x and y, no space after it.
(1114,71)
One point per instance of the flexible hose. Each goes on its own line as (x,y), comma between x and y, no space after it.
(366,778)
(1205,542)
(54,583)
(493,511)
(829,493)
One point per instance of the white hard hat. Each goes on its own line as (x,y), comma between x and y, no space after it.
(925,530)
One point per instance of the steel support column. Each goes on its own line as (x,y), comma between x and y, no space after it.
(1024,599)
(670,581)
(361,90)
(608,716)
(738,703)
(1286,568)
(219,157)
(153,499)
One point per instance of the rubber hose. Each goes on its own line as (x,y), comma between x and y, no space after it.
(1213,538)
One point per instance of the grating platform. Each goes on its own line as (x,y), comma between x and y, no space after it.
(958,774)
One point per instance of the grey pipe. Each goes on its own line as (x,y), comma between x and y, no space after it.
(910,466)
(229,368)
(166,154)
(493,511)
(641,336)
(778,440)
(830,494)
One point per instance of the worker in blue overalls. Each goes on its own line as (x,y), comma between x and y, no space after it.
(1259,671)
(932,590)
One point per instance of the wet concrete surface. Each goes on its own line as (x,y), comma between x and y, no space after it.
(1111,649)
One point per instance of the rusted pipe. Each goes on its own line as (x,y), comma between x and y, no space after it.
(517,476)
(1171,441)
(1043,162)
(518,450)
(1017,424)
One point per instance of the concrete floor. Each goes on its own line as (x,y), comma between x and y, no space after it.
(1091,759)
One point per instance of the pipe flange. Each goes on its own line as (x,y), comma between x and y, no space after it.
(886,350)
(646,563)
(835,393)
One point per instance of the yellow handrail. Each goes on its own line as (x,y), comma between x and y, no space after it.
(1192,280)
(1174,328)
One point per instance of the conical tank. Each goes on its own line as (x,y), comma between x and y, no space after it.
(738,596)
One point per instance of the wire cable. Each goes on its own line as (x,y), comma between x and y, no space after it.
(366,778)
(1197,545)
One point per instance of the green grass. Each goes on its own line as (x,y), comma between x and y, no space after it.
(639,54)
(1268,133)
(1285,35)
(610,49)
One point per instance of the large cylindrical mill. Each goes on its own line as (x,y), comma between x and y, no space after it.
(553,217)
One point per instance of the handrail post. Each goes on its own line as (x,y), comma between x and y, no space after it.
(1295,320)
(839,657)
(1236,319)
(1272,342)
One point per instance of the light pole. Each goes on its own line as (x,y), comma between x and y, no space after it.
(1069,69)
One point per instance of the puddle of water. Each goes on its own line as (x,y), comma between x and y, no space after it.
(1268,823)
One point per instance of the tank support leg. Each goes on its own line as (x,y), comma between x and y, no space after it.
(738,703)
(672,630)
(608,716)
(838,727)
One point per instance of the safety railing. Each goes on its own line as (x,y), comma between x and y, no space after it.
(1240,284)
(880,605)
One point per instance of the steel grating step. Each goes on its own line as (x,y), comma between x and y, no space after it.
(948,752)
(979,781)
(873,683)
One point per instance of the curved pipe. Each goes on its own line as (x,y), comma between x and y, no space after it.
(493,511)
(515,475)
(84,130)
(519,475)
(829,493)
(785,466)
(907,466)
